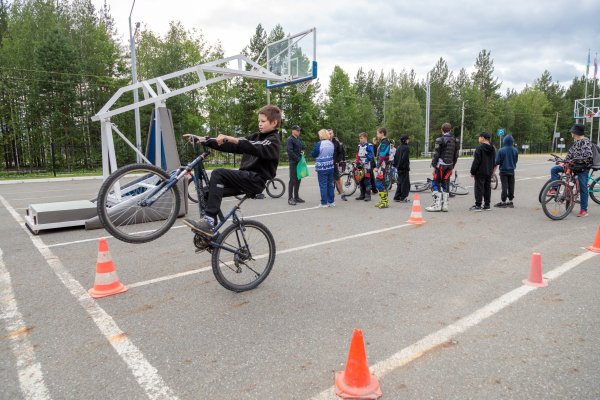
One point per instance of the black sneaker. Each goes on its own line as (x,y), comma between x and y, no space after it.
(501,205)
(475,208)
(259,196)
(299,200)
(204,226)
(486,208)
(343,196)
(510,204)
(292,202)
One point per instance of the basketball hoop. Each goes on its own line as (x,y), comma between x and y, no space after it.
(589,117)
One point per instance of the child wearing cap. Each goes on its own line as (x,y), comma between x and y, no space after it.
(482,169)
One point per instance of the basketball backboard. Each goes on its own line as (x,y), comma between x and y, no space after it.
(294,58)
(586,108)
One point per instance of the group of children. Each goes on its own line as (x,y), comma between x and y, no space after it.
(261,157)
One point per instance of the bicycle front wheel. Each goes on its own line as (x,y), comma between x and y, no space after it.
(192,194)
(275,188)
(121,208)
(244,255)
(541,195)
(557,200)
(348,183)
(420,186)
(494,182)
(457,189)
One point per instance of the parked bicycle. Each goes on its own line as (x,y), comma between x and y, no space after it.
(455,188)
(275,188)
(139,203)
(559,197)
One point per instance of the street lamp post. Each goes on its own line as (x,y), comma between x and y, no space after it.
(138,133)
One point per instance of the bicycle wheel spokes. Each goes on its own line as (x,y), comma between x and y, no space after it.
(121,205)
(349,184)
(557,201)
(252,261)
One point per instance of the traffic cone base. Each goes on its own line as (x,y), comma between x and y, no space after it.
(535,272)
(371,391)
(416,215)
(106,282)
(596,246)
(356,381)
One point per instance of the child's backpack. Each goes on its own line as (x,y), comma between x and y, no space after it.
(595,156)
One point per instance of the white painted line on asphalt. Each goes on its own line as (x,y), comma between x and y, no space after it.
(429,342)
(146,375)
(290,250)
(29,370)
(44,198)
(183,226)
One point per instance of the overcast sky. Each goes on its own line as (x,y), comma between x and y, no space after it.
(525,37)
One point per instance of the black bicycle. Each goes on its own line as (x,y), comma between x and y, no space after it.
(139,203)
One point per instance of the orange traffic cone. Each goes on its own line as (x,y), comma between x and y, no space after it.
(535,272)
(106,282)
(356,381)
(416,215)
(596,246)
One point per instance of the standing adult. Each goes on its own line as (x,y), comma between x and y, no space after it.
(339,161)
(402,164)
(295,149)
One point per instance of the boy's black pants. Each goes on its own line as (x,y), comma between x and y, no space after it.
(294,184)
(227,182)
(483,189)
(508,186)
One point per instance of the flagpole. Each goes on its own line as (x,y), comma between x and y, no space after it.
(587,71)
(593,99)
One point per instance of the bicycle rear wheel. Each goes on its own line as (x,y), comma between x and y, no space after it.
(457,189)
(420,186)
(494,182)
(275,188)
(594,192)
(120,204)
(557,201)
(192,195)
(244,255)
(348,183)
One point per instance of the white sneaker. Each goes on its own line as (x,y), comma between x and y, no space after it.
(331,204)
(323,206)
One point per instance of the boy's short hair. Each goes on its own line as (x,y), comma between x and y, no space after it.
(363,134)
(382,130)
(273,113)
(446,127)
(323,134)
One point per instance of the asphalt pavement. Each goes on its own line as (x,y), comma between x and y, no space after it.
(176,333)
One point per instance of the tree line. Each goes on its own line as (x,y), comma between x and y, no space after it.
(61,61)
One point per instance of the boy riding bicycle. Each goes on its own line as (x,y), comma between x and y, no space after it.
(580,159)
(259,164)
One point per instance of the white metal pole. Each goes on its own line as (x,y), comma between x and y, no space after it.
(138,132)
(462,127)
(554,138)
(427,98)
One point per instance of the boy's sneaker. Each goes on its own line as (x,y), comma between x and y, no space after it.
(291,202)
(475,208)
(582,213)
(510,204)
(486,208)
(344,197)
(299,200)
(323,206)
(501,205)
(204,226)
(331,204)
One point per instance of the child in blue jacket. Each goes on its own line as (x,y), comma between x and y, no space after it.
(506,159)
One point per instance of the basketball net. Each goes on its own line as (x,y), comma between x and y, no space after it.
(302,87)
(589,118)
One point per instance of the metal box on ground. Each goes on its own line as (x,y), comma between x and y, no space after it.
(59,215)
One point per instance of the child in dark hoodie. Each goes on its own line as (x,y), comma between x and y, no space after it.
(482,170)
(506,159)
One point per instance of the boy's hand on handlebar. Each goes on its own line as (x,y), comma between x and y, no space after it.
(225,138)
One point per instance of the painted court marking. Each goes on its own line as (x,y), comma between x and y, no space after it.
(418,349)
(146,375)
(31,378)
(290,250)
